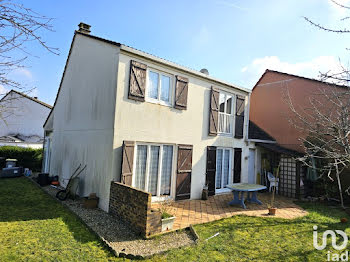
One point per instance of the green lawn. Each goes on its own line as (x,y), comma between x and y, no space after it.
(244,238)
(33,227)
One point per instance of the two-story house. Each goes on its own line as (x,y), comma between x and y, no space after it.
(21,120)
(152,124)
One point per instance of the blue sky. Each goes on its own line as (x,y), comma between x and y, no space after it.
(235,40)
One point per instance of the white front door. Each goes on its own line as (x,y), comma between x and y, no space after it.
(251,167)
(223,169)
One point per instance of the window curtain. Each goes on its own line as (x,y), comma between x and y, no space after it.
(153,84)
(140,170)
(226,167)
(153,170)
(165,89)
(219,168)
(167,159)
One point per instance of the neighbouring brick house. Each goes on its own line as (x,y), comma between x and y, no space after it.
(270,111)
(160,129)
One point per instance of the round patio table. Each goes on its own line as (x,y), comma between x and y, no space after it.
(240,188)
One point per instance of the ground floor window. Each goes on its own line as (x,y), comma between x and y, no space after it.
(153,169)
(223,168)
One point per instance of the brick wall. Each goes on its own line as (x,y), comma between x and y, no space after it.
(134,207)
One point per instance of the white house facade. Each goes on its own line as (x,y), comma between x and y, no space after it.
(146,122)
(22,118)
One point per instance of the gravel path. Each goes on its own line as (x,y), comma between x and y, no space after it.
(119,235)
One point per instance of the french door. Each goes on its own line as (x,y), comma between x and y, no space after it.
(153,169)
(223,169)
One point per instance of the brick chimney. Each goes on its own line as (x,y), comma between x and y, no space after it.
(84,28)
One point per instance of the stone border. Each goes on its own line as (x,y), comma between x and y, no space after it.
(105,242)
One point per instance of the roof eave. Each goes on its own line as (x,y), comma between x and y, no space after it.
(179,67)
(262,141)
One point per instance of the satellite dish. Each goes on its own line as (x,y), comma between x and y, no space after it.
(204,71)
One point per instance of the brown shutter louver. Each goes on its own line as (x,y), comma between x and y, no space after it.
(127,162)
(181,92)
(210,174)
(184,172)
(214,112)
(137,82)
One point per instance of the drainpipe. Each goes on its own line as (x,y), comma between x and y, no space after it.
(246,139)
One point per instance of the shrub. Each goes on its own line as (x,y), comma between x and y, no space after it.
(27,157)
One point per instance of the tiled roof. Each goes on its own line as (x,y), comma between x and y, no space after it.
(255,132)
(26,96)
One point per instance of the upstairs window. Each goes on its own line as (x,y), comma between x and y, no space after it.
(159,87)
(239,117)
(225,113)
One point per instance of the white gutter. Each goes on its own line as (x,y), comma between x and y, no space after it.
(246,139)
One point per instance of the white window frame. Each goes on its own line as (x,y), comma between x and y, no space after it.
(233,112)
(157,197)
(171,91)
(230,176)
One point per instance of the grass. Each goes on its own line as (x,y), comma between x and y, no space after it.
(33,227)
(244,238)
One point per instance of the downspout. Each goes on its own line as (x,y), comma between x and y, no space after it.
(246,139)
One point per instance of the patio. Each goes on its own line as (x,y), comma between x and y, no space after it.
(216,207)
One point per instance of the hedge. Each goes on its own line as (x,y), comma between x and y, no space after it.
(27,157)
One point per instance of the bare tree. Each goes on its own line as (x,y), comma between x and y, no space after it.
(325,131)
(325,123)
(19,26)
(341,77)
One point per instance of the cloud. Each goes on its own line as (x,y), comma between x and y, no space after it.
(231,4)
(23,73)
(252,72)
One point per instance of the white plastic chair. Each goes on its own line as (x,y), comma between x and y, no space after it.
(273,181)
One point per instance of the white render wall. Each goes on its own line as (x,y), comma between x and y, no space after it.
(149,122)
(93,116)
(84,117)
(22,116)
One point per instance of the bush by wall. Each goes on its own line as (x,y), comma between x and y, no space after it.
(27,157)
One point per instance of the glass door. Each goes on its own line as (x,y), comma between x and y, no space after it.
(223,169)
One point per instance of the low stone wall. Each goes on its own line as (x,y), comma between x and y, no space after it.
(134,207)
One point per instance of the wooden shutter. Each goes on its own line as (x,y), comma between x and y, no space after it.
(239,123)
(127,162)
(211,169)
(214,112)
(137,83)
(184,171)
(181,92)
(237,165)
